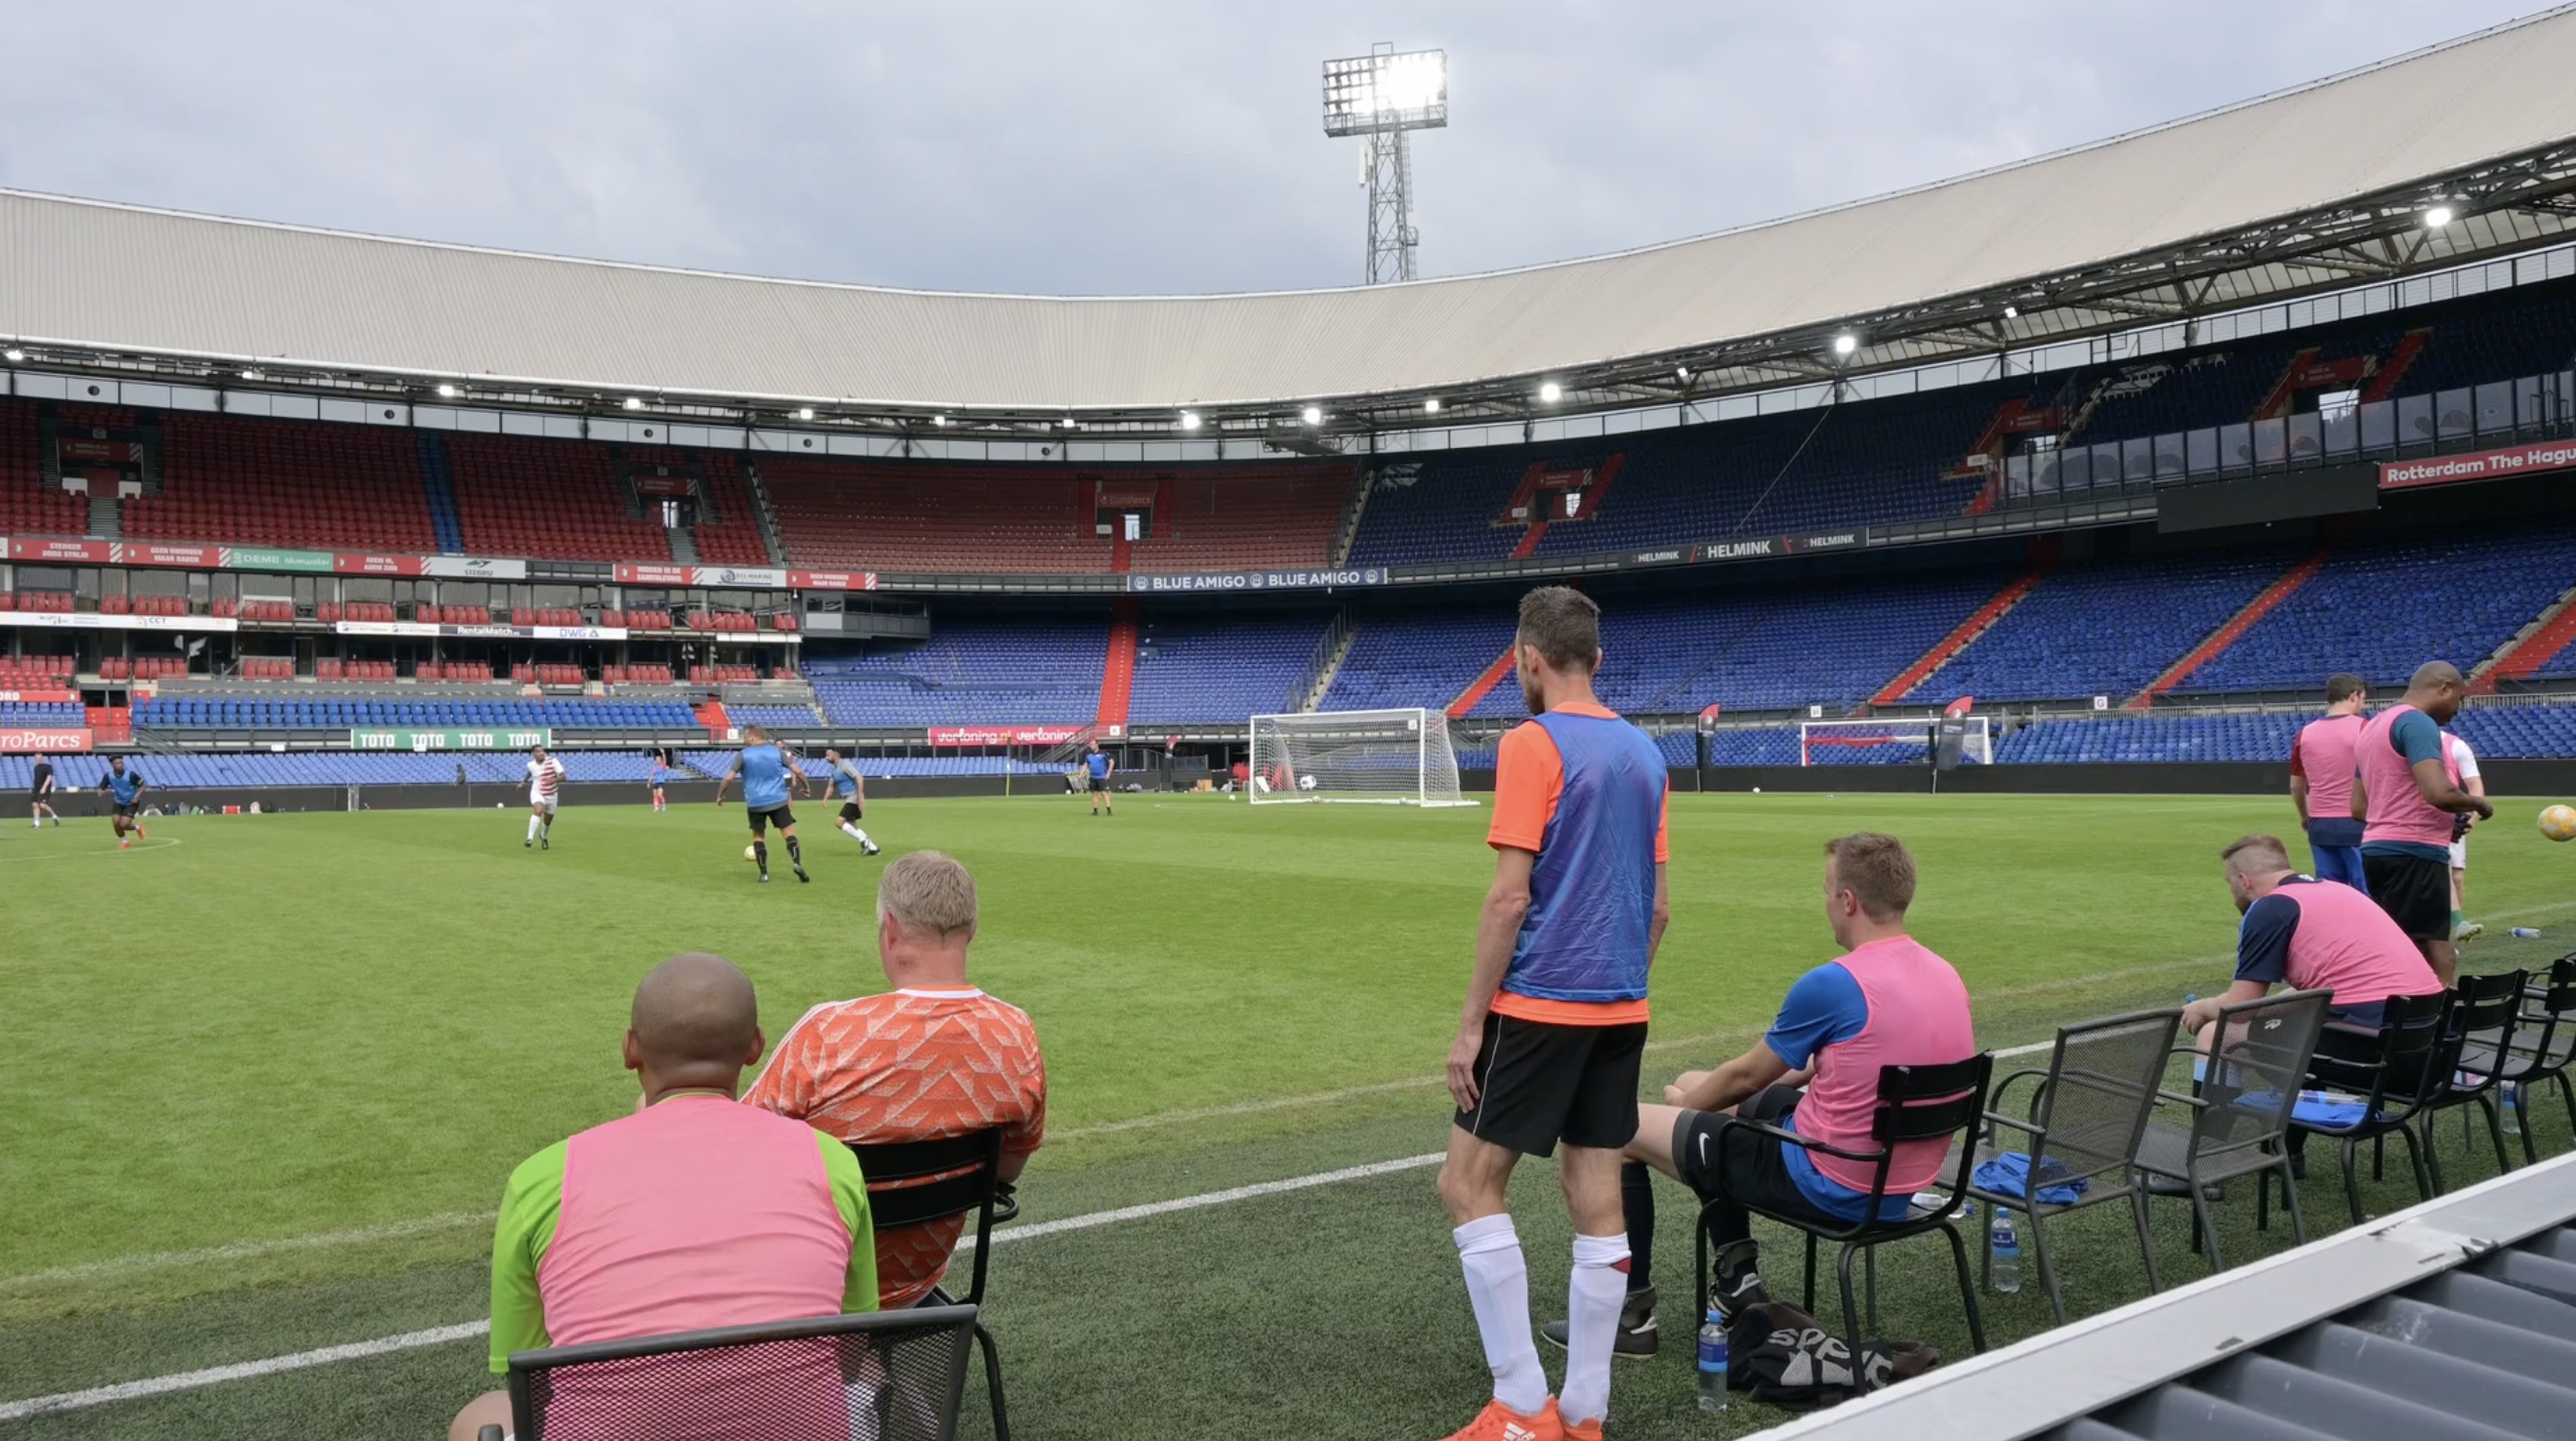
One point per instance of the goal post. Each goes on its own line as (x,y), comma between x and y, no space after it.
(1376,757)
(1918,741)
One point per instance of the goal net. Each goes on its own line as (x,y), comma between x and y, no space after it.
(1384,757)
(1924,740)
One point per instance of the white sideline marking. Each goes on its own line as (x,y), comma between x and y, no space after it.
(245,1250)
(445,1335)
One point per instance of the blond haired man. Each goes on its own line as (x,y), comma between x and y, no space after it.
(932,1058)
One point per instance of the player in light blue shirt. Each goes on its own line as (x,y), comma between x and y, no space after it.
(1097,768)
(124,785)
(852,788)
(767,773)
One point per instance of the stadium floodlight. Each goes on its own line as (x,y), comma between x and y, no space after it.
(1313,415)
(1431,406)
(939,420)
(1549,392)
(13,355)
(1846,343)
(1682,374)
(1375,757)
(2012,312)
(445,390)
(1189,420)
(1383,95)
(804,412)
(634,402)
(250,373)
(2437,217)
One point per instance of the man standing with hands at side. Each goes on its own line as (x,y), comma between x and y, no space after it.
(1554,1025)
(2405,795)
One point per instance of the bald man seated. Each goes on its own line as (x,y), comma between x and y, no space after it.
(696,1211)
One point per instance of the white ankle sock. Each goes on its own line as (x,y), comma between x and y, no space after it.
(532,828)
(1489,1251)
(1594,1293)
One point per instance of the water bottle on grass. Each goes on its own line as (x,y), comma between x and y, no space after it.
(2007,1249)
(1712,1363)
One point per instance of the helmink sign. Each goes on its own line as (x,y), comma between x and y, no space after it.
(2478,465)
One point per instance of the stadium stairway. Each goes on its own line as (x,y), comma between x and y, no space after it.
(2552,631)
(711,714)
(2217,641)
(112,724)
(1118,672)
(1485,681)
(439,487)
(1957,640)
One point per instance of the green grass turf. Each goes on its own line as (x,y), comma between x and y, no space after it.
(310,1048)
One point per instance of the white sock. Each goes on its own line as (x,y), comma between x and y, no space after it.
(532,828)
(1594,1293)
(1489,1250)
(854,833)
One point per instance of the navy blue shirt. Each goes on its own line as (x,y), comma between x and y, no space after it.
(1098,764)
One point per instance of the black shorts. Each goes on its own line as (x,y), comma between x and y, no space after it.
(1538,1083)
(125,810)
(780,815)
(2414,890)
(1099,784)
(1725,1162)
(850,811)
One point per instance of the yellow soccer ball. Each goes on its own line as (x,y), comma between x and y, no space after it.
(2559,823)
(750,854)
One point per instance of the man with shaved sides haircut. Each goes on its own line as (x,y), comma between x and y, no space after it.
(2407,796)
(695,1211)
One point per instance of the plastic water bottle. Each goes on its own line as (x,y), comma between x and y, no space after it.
(2007,1246)
(2524,933)
(1712,1363)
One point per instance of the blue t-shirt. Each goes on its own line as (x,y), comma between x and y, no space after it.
(764,777)
(1098,764)
(2417,739)
(127,784)
(1825,1007)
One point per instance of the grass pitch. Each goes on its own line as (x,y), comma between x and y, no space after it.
(264,1076)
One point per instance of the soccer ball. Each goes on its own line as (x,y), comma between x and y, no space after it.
(2559,823)
(750,853)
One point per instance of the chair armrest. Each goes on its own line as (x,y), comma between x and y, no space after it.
(2025,1127)
(2197,1103)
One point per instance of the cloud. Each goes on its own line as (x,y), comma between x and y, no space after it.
(1103,147)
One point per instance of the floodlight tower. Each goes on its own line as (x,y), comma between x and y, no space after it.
(1383,95)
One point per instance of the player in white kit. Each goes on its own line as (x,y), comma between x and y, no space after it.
(545,792)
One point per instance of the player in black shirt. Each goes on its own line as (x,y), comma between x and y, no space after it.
(41,785)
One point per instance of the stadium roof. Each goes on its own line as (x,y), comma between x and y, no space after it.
(2320,187)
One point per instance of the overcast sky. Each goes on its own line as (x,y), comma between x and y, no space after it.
(1100,147)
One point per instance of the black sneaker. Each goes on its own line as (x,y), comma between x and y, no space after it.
(1636,1338)
(1739,1284)
(545,843)
(800,874)
(871,848)
(764,878)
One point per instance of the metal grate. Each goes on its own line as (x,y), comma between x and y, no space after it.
(893,1376)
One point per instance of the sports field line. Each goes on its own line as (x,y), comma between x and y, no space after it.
(62,1401)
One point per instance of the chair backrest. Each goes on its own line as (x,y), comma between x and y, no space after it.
(877,1376)
(2100,1088)
(2398,1062)
(2549,997)
(2264,1047)
(914,1182)
(2484,1011)
(1930,1103)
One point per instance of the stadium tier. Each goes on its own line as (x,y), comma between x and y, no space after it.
(555,499)
(2383,605)
(28,506)
(2105,627)
(973,671)
(272,482)
(773,715)
(233,713)
(41,713)
(1195,667)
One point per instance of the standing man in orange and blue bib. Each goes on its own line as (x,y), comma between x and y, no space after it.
(2409,801)
(1555,1022)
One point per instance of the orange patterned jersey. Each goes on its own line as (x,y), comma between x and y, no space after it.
(911,1066)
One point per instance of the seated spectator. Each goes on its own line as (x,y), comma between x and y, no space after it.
(2314,936)
(932,1058)
(1888,1002)
(693,1212)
